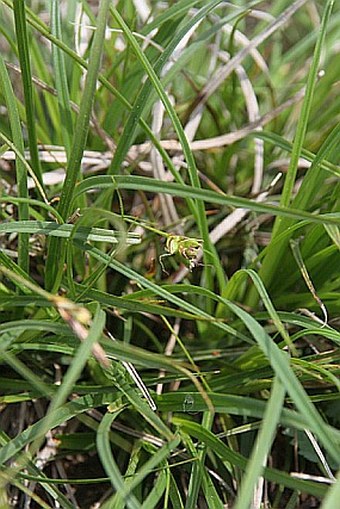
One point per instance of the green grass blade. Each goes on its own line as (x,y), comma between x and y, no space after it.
(108,462)
(196,473)
(61,78)
(315,178)
(155,495)
(32,203)
(235,405)
(133,182)
(46,108)
(21,157)
(210,492)
(38,325)
(67,231)
(238,278)
(135,458)
(135,306)
(197,470)
(332,498)
(26,373)
(9,264)
(21,174)
(287,146)
(24,58)
(175,11)
(262,445)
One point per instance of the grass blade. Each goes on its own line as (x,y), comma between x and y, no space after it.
(108,462)
(158,186)
(332,497)
(21,175)
(262,445)
(24,58)
(68,231)
(61,78)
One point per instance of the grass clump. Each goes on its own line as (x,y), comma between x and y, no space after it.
(169,290)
